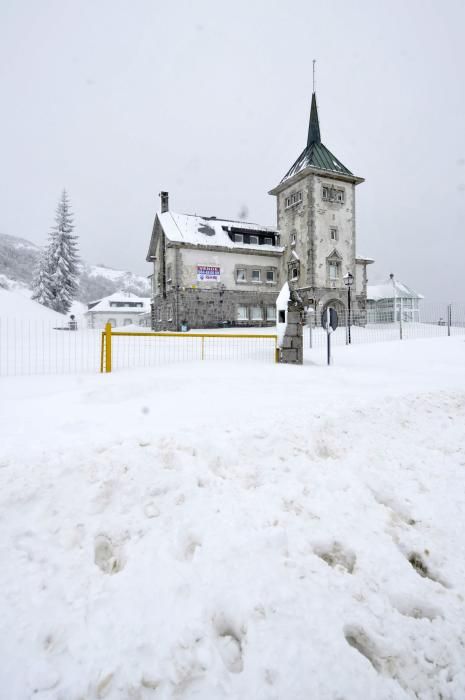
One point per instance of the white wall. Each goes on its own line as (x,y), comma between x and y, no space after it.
(227,262)
(98,319)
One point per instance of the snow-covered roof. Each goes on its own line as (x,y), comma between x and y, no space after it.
(120,298)
(391,289)
(198,230)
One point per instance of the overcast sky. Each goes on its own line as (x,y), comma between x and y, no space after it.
(210,100)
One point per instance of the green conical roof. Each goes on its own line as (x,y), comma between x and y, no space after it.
(315,154)
(314,124)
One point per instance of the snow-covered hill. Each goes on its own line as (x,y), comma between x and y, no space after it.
(19,258)
(19,307)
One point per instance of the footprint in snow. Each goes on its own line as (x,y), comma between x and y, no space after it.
(337,556)
(230,644)
(107,555)
(359,640)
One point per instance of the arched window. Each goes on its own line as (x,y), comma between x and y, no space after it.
(127,321)
(112,321)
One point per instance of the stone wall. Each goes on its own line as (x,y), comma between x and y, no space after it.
(291,351)
(209,308)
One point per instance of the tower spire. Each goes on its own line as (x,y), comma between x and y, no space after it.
(314,124)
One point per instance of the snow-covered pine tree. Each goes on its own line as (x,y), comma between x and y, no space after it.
(42,283)
(63,258)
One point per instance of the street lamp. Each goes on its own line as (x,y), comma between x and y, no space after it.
(348,281)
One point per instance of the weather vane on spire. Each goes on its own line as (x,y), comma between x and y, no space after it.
(314,61)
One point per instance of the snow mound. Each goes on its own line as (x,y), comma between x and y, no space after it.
(15,305)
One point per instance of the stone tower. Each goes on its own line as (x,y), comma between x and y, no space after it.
(316,221)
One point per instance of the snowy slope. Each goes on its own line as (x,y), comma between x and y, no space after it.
(237,531)
(19,259)
(15,305)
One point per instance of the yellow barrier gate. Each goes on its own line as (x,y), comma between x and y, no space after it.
(107,350)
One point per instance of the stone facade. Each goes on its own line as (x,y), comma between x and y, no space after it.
(243,294)
(320,239)
(211,308)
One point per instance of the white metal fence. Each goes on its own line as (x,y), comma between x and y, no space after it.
(429,320)
(28,347)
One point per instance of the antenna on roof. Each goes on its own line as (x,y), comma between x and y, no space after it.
(314,61)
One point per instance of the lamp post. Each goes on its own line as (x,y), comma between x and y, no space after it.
(348,281)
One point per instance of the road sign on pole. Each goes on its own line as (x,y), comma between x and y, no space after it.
(329,321)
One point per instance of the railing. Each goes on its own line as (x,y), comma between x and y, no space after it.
(127,349)
(425,320)
(34,347)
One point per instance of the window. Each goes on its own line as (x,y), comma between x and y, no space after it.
(270,276)
(239,238)
(241,275)
(282,316)
(293,199)
(126,304)
(268,241)
(256,313)
(242,313)
(332,194)
(294,272)
(256,275)
(293,238)
(271,313)
(168,273)
(333,234)
(112,322)
(127,321)
(253,240)
(333,271)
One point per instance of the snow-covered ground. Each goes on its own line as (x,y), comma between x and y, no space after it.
(237,530)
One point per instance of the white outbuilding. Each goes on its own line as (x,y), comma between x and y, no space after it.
(119,309)
(389,301)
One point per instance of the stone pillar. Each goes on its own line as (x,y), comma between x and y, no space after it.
(292,347)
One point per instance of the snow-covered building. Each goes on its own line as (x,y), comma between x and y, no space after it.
(389,301)
(209,271)
(119,309)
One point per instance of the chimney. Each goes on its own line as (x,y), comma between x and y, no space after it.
(164,202)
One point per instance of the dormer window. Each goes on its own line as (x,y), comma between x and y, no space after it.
(268,241)
(253,240)
(239,237)
(293,199)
